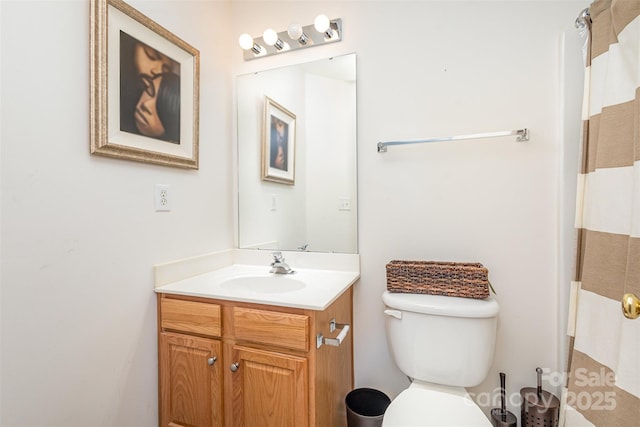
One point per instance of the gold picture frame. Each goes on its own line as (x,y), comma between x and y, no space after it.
(144,89)
(278,143)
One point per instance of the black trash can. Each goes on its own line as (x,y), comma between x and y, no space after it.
(365,407)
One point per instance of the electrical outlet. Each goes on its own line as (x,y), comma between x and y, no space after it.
(163,201)
(344,203)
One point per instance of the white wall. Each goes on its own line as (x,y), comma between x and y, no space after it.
(79,232)
(447,68)
(331,128)
(571,94)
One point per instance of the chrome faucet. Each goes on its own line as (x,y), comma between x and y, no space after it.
(278,265)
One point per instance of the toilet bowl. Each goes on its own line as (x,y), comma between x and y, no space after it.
(443,344)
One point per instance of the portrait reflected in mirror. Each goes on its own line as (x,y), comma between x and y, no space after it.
(149,91)
(279,144)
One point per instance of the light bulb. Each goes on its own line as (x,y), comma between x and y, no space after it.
(321,23)
(295,31)
(246,41)
(270,37)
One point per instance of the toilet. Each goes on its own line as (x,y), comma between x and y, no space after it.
(444,345)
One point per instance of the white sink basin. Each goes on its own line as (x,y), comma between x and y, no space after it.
(273,284)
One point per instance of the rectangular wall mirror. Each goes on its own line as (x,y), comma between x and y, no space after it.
(297,164)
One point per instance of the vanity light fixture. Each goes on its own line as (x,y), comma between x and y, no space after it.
(322,31)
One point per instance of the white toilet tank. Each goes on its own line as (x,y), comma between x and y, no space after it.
(439,339)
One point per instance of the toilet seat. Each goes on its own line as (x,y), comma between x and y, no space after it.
(426,404)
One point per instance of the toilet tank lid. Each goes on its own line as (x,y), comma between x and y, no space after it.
(441,305)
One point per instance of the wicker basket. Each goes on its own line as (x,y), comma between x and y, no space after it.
(455,279)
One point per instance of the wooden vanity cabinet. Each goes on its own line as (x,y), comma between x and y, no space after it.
(232,364)
(269,389)
(189,363)
(191,383)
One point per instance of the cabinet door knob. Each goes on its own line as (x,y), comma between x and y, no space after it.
(211,360)
(234,367)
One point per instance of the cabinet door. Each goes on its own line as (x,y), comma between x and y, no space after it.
(269,389)
(190,381)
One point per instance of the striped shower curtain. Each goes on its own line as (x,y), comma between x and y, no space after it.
(604,366)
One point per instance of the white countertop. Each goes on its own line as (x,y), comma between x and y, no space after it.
(321,286)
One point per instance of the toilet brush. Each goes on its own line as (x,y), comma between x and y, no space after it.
(539,407)
(500,417)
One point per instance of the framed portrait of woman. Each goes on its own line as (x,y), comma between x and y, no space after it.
(144,89)
(278,143)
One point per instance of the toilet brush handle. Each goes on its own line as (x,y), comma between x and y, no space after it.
(539,389)
(503,392)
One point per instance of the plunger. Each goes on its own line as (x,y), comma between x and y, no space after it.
(500,417)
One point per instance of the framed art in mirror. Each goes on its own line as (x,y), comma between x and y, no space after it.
(278,143)
(144,89)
